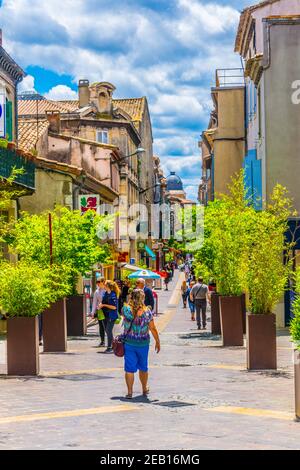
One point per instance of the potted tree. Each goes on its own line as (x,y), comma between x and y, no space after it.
(267,276)
(76,242)
(228,222)
(55,316)
(24,295)
(295,332)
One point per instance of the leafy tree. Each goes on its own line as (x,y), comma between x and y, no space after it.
(269,254)
(295,323)
(9,191)
(76,243)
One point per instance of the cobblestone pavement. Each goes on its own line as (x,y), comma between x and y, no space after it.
(201,397)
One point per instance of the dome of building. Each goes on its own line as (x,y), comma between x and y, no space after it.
(174,182)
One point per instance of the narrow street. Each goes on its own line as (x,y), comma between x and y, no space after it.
(201,396)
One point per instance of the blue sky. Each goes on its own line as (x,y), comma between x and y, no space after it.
(166,50)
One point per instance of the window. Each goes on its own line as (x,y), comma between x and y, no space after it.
(102,136)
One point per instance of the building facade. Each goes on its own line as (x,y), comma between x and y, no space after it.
(223,142)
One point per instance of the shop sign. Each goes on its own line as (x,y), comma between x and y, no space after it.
(89,202)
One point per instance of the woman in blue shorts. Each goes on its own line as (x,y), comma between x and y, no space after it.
(138,322)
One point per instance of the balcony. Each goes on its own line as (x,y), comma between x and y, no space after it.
(230,78)
(10,159)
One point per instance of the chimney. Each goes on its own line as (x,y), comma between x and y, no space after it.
(53,118)
(84,93)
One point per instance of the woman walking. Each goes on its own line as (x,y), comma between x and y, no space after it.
(184,293)
(138,322)
(110,309)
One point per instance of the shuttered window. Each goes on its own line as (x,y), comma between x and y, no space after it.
(9,121)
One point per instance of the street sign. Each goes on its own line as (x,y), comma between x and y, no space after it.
(89,202)
(2,116)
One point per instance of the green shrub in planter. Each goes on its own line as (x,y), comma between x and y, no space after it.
(295,323)
(25,290)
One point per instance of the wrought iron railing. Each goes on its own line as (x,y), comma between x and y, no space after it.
(10,159)
(230,77)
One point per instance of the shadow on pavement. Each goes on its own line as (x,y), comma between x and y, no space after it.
(137,399)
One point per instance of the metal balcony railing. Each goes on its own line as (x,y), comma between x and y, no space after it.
(9,159)
(230,77)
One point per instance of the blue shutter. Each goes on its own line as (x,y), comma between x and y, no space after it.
(257,184)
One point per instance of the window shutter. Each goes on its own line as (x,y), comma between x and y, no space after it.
(9,121)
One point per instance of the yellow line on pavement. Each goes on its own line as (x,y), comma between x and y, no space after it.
(67,414)
(79,372)
(226,366)
(253,412)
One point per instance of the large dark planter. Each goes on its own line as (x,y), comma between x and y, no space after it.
(215,314)
(55,327)
(76,316)
(231,320)
(23,346)
(261,342)
(297,384)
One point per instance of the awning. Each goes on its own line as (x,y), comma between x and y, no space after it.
(130,267)
(150,252)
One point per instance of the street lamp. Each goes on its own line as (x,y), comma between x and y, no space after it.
(137,152)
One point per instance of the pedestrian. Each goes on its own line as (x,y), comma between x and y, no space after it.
(167,279)
(149,298)
(199,295)
(109,306)
(138,322)
(184,289)
(96,311)
(191,303)
(124,294)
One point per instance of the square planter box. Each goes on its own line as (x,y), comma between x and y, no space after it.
(76,316)
(297,384)
(231,320)
(55,327)
(23,346)
(215,314)
(261,342)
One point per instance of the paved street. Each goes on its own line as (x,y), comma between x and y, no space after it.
(201,396)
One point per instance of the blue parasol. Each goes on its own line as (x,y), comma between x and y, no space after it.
(144,274)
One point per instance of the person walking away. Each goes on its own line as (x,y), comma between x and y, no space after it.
(124,294)
(191,304)
(184,289)
(109,306)
(149,298)
(167,279)
(96,312)
(200,295)
(138,322)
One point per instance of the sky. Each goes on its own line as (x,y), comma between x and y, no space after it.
(167,50)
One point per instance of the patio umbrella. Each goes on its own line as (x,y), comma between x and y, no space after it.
(144,274)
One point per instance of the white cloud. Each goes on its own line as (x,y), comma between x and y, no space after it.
(61,92)
(169,55)
(27,84)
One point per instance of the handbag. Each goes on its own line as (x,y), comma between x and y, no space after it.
(100,315)
(118,343)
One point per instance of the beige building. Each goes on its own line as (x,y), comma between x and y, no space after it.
(223,143)
(101,138)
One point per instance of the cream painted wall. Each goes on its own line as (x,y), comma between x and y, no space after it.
(52,189)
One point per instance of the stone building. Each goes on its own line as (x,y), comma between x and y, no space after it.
(103,137)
